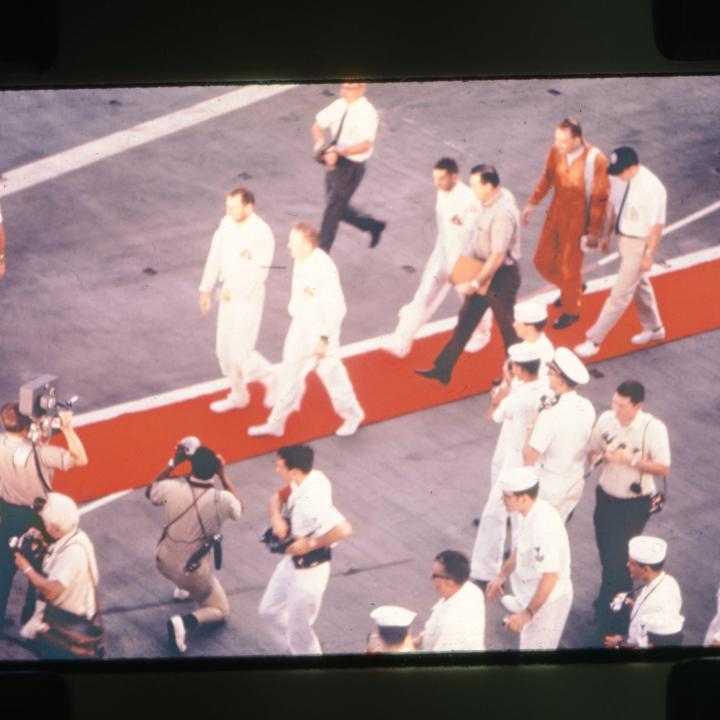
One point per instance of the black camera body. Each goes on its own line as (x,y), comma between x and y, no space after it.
(31,546)
(275,544)
(212,543)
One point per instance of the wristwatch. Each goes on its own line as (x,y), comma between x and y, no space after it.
(474,284)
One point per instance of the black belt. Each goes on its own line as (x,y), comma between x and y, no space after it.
(312,559)
(633,237)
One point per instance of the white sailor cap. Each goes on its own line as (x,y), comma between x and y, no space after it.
(61,512)
(663,623)
(388,616)
(189,445)
(647,550)
(518,479)
(570,365)
(530,311)
(523,352)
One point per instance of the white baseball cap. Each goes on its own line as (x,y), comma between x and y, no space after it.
(189,445)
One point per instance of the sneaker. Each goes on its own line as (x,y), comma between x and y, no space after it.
(176,634)
(586,349)
(180,594)
(351,424)
(647,336)
(477,341)
(395,345)
(231,402)
(266,429)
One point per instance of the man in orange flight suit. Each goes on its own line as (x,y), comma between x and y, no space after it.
(577,172)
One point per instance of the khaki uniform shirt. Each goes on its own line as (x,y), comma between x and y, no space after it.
(498,228)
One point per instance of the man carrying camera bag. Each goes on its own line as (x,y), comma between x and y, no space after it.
(26,472)
(302,512)
(194,512)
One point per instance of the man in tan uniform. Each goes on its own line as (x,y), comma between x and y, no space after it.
(194,513)
(577,172)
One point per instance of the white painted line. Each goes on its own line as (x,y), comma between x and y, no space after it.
(91,152)
(95,504)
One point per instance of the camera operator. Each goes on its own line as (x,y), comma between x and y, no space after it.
(194,512)
(633,447)
(69,578)
(26,472)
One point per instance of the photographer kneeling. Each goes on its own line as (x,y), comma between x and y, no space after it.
(26,472)
(66,622)
(194,513)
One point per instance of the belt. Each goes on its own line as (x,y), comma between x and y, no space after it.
(634,237)
(312,559)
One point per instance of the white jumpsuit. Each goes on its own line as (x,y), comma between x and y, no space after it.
(317,308)
(239,316)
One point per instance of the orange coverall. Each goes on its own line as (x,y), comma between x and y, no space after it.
(558,257)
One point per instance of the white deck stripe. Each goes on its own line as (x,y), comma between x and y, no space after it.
(91,152)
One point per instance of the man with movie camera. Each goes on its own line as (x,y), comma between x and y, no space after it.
(633,448)
(194,513)
(66,620)
(26,473)
(302,515)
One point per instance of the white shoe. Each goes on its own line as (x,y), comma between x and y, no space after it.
(350,426)
(586,349)
(647,336)
(180,594)
(231,402)
(266,429)
(177,633)
(478,340)
(396,345)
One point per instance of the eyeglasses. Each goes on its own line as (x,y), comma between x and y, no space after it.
(437,576)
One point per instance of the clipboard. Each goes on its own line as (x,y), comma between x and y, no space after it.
(465,269)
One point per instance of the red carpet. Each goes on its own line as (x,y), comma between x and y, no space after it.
(128,451)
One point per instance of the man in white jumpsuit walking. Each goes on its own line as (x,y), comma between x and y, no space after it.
(238,262)
(304,510)
(456,211)
(539,567)
(560,435)
(317,308)
(514,412)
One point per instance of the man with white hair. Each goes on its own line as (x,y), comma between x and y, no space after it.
(238,264)
(194,513)
(538,568)
(69,575)
(559,437)
(655,606)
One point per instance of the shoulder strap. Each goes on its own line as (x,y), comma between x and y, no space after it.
(340,127)
(164,533)
(45,483)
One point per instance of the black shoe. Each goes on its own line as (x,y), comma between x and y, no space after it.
(434,374)
(557,303)
(376,233)
(565,320)
(476,522)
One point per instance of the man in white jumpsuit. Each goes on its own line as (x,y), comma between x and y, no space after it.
(456,212)
(560,435)
(304,510)
(515,413)
(317,308)
(539,566)
(457,622)
(659,600)
(238,262)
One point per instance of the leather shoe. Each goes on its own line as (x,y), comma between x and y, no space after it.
(376,233)
(434,374)
(565,320)
(557,302)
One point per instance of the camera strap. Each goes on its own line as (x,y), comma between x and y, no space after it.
(45,483)
(165,530)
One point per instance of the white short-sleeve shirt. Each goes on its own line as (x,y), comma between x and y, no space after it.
(661,596)
(311,508)
(457,623)
(460,203)
(360,124)
(542,546)
(644,206)
(713,632)
(561,435)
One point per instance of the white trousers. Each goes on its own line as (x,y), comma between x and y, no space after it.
(432,290)
(291,604)
(563,492)
(544,631)
(298,361)
(631,284)
(238,326)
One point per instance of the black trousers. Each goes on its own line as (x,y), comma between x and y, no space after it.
(616,521)
(340,184)
(501,296)
(14,520)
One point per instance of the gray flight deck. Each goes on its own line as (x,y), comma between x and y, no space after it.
(101,290)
